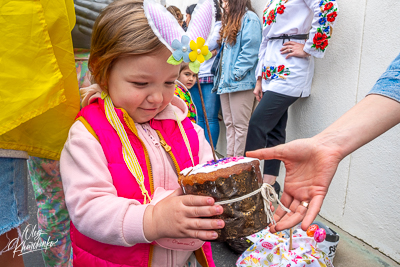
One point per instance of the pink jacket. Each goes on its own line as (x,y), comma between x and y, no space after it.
(88,184)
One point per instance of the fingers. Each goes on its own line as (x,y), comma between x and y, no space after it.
(291,219)
(192,200)
(267,153)
(301,214)
(289,43)
(280,213)
(203,235)
(313,209)
(258,97)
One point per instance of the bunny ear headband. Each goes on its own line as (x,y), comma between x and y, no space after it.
(185,46)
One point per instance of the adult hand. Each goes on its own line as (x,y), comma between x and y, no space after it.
(179,216)
(87,12)
(258,90)
(310,166)
(293,49)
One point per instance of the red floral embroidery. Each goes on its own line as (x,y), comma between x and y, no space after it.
(328,6)
(268,73)
(280,9)
(332,16)
(271,17)
(281,68)
(320,41)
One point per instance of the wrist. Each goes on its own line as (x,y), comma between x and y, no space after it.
(333,143)
(148,229)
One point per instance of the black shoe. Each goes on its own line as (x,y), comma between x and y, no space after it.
(277,188)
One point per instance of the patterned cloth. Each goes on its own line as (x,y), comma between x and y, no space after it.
(183,93)
(273,250)
(81,64)
(208,79)
(53,218)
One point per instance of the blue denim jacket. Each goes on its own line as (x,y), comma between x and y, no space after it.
(237,72)
(389,83)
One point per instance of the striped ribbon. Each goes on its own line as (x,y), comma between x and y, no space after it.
(185,138)
(130,158)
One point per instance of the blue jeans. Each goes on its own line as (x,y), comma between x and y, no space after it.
(212,105)
(13,193)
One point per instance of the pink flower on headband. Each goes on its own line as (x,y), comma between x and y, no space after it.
(168,30)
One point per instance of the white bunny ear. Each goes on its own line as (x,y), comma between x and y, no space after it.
(163,23)
(202,20)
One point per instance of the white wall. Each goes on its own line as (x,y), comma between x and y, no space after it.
(363,198)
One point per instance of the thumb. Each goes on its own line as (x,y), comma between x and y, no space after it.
(177,192)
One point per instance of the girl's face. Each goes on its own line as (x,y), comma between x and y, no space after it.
(187,77)
(143,85)
(225,6)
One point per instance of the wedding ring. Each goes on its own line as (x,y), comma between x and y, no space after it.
(304,204)
(290,50)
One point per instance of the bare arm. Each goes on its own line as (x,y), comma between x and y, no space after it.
(370,118)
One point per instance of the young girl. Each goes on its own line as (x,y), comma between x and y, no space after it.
(119,165)
(234,82)
(184,83)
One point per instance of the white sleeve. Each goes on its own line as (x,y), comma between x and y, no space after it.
(261,54)
(325,12)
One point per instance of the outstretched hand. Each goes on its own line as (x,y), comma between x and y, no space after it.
(310,167)
(179,216)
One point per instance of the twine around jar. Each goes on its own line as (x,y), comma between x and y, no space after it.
(269,195)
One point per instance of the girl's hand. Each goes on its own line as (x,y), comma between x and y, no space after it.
(293,49)
(258,90)
(178,216)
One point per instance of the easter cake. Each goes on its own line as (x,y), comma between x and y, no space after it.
(229,179)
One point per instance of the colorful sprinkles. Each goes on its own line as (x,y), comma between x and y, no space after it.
(222,161)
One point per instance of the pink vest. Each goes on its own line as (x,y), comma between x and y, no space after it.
(88,252)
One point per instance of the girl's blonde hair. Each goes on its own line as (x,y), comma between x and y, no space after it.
(120,30)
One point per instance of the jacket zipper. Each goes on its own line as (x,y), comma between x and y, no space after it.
(168,150)
(158,145)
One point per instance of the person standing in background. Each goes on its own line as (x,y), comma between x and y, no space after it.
(295,31)
(189,11)
(235,79)
(211,100)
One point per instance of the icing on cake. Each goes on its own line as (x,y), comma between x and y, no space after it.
(212,166)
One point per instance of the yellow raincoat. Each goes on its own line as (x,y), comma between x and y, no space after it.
(39,95)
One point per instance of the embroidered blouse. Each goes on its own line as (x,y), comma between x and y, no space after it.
(293,76)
